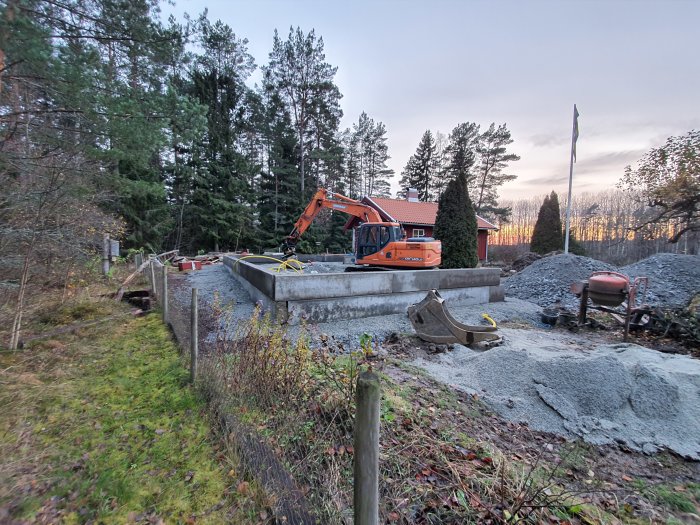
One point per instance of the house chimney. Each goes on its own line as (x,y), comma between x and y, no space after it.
(412,195)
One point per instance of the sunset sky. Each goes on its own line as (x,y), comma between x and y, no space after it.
(630,66)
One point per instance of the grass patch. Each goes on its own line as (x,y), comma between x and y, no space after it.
(681,498)
(102,426)
(85,310)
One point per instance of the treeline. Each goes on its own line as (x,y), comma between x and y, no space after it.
(112,120)
(481,156)
(604,225)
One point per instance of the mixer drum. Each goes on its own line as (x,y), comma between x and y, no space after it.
(608,288)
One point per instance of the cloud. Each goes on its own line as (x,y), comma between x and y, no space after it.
(545,140)
(550,180)
(612,163)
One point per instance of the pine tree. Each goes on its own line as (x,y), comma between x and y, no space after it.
(461,151)
(547,234)
(456,227)
(419,171)
(366,172)
(493,159)
(305,81)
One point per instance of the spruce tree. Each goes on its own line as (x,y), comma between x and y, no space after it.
(547,234)
(456,226)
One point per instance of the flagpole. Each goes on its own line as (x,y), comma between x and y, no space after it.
(571,177)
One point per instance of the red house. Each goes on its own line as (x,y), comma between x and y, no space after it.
(418,218)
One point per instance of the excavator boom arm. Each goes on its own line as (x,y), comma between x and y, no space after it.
(334,201)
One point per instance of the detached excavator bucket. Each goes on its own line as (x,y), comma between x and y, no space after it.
(433,323)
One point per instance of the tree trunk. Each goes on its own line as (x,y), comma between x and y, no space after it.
(19,310)
(301,163)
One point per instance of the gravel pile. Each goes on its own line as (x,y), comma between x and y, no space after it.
(622,393)
(547,280)
(673,279)
(525,260)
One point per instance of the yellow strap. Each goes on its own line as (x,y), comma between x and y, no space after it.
(488,318)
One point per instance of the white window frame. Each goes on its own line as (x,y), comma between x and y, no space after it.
(416,232)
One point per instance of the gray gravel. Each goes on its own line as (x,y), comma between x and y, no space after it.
(216,286)
(547,280)
(673,279)
(555,381)
(621,393)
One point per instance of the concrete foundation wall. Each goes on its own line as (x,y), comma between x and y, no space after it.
(357,307)
(331,296)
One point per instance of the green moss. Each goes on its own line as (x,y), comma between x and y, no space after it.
(674,500)
(121,432)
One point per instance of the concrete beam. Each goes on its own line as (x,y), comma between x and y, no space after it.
(259,284)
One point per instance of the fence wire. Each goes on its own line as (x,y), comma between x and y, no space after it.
(215,379)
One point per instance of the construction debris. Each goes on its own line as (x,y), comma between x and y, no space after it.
(194,263)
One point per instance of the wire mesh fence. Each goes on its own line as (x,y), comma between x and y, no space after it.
(256,382)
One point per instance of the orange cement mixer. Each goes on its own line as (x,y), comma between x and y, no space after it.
(608,288)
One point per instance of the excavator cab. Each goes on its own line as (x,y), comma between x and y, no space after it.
(372,238)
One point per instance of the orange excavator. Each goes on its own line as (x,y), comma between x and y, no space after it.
(377,243)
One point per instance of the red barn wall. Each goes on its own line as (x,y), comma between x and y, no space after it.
(481,238)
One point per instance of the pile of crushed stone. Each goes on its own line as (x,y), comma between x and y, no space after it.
(673,279)
(547,280)
(623,393)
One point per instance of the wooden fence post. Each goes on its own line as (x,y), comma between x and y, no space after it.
(164,294)
(194,336)
(153,278)
(138,260)
(366,496)
(105,255)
